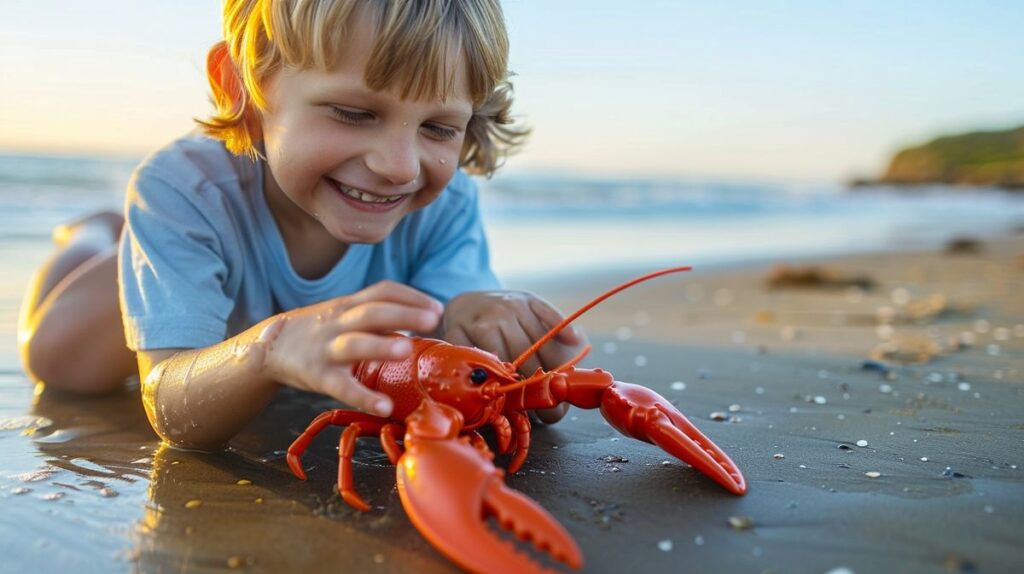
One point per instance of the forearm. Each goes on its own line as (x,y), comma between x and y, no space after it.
(200,398)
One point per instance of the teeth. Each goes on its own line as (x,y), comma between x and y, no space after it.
(364,196)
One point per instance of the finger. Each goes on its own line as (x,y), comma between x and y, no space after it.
(517,341)
(358,346)
(458,336)
(550,317)
(381,317)
(396,293)
(339,384)
(491,341)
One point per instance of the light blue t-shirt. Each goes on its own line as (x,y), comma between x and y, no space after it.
(202,258)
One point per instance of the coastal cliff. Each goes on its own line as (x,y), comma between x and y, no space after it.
(991,159)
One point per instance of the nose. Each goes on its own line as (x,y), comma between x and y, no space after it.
(395,157)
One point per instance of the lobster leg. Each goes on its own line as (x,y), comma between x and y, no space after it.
(389,441)
(449,489)
(521,423)
(363,423)
(346,448)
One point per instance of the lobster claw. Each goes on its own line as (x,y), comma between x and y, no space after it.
(641,413)
(449,488)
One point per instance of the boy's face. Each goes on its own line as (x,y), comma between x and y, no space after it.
(354,161)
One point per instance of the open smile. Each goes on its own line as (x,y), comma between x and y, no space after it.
(365,200)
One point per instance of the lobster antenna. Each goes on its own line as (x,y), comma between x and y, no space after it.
(565,322)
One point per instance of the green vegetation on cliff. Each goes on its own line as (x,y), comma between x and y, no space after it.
(993,158)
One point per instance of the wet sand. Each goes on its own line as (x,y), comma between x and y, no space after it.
(85,485)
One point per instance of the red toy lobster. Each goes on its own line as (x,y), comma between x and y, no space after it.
(443,393)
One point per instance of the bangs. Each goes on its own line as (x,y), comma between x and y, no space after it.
(419,43)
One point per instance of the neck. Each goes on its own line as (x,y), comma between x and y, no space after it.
(312,251)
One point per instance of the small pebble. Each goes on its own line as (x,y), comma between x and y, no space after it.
(734,408)
(741,522)
(20,490)
(107,492)
(718,416)
(244,482)
(820,400)
(924,459)
(964,386)
(844,447)
(54,496)
(872,474)
(194,503)
(665,546)
(778,456)
(862,443)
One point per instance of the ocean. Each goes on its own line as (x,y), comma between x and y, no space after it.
(543,224)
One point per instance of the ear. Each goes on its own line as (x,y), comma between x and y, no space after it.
(228,91)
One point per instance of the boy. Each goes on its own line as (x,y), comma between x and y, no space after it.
(325,212)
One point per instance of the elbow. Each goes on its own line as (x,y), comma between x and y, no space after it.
(171,422)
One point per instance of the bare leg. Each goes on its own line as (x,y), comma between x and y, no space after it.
(70,334)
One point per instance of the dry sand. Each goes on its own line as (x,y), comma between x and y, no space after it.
(937,486)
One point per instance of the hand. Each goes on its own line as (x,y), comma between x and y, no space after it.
(507,323)
(313,348)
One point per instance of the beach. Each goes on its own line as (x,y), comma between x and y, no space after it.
(873,402)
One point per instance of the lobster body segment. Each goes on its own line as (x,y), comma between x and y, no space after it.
(446,479)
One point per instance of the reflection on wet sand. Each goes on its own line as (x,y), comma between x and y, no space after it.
(242,508)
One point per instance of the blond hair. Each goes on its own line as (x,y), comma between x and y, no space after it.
(415,39)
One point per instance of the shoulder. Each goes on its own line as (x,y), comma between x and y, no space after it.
(195,162)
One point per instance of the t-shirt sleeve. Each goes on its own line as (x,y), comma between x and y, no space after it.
(172,270)
(454,257)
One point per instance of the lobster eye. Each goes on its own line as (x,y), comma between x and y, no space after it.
(478,376)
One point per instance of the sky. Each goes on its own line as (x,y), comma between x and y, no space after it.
(798,90)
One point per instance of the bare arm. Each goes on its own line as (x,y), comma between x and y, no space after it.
(200,398)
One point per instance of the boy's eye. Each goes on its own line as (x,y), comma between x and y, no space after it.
(351,117)
(440,133)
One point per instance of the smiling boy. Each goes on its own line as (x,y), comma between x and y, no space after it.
(326,210)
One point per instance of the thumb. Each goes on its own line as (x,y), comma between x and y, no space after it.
(352,393)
